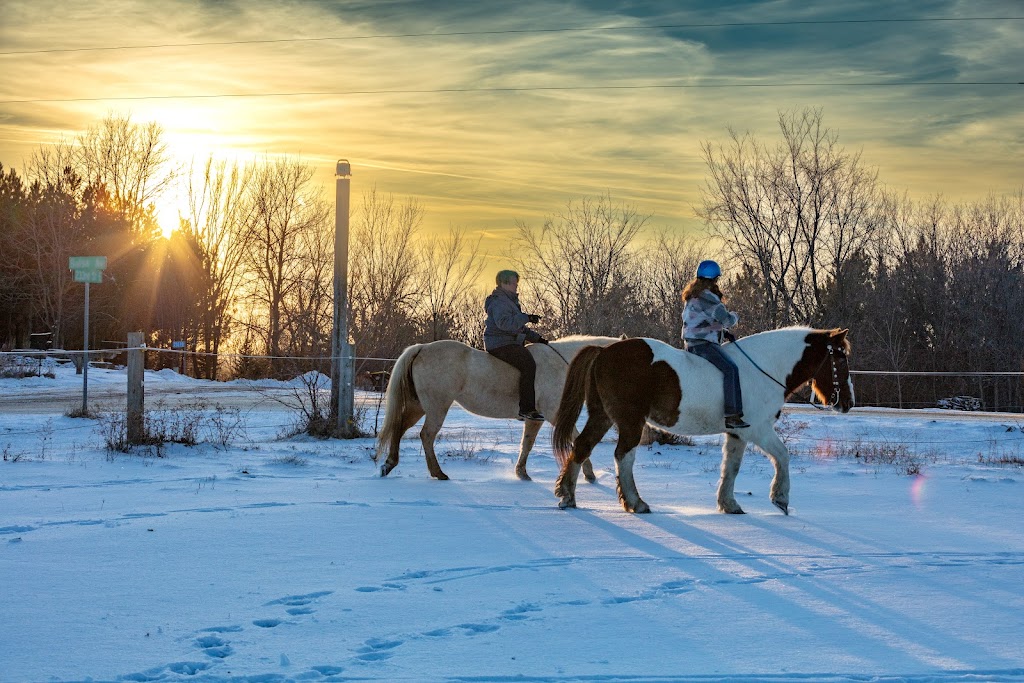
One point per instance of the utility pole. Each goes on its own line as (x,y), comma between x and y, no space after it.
(342,397)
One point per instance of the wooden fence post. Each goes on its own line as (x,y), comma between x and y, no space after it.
(136,389)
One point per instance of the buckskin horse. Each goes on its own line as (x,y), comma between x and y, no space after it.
(428,378)
(638,381)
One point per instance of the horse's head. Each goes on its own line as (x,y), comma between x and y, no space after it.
(829,353)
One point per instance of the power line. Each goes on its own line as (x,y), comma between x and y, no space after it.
(449,34)
(552,88)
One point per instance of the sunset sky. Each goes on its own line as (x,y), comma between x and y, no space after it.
(490,112)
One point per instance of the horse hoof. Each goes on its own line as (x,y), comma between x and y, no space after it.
(735,510)
(782,506)
(441,476)
(591,477)
(565,504)
(523,475)
(642,508)
(384,469)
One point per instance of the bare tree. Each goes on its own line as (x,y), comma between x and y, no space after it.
(668,262)
(448,270)
(218,214)
(795,213)
(132,161)
(383,264)
(283,208)
(310,312)
(580,267)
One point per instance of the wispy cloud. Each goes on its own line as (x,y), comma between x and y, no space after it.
(484,159)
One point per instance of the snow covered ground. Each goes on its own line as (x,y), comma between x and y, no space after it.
(289,559)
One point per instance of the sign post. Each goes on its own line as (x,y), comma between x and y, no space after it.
(88,269)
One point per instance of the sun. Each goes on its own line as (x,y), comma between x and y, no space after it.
(168,217)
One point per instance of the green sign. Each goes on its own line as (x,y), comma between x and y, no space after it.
(89,275)
(87,263)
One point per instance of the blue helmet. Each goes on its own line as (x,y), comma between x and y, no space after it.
(709,270)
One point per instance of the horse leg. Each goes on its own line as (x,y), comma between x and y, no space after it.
(530,429)
(625,455)
(409,418)
(431,426)
(779,455)
(588,471)
(732,456)
(565,486)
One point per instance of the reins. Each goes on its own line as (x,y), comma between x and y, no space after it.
(558,353)
(833,399)
(763,371)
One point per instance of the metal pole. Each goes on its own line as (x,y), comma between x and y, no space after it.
(342,397)
(85,356)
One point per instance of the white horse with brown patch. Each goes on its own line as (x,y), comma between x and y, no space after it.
(640,381)
(428,378)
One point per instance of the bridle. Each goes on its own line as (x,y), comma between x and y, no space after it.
(836,393)
(835,396)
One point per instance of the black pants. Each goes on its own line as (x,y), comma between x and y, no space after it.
(518,357)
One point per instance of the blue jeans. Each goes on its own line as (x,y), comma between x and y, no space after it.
(731,375)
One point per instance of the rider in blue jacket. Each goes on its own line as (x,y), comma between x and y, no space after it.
(706,321)
(505,336)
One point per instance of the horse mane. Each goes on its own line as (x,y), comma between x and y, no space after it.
(584,337)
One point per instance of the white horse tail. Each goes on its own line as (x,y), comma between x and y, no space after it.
(575,391)
(400,392)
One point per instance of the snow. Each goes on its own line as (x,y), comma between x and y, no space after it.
(290,559)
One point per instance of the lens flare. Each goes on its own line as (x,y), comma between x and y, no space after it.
(917,489)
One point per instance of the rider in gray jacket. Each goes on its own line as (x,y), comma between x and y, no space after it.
(705,321)
(505,336)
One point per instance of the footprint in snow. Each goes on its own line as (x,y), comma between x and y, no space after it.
(214,646)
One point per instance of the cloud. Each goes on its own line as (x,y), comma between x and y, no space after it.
(484,159)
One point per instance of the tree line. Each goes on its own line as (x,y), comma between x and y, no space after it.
(804,228)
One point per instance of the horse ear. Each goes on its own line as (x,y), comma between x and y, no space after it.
(623,337)
(839,334)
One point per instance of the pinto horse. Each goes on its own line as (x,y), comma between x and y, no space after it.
(428,378)
(640,381)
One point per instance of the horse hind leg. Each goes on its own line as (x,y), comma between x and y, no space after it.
(530,430)
(625,455)
(428,434)
(732,457)
(588,471)
(410,417)
(565,486)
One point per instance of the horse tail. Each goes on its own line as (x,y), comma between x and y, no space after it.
(400,392)
(577,381)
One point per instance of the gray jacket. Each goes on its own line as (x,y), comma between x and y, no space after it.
(705,316)
(506,322)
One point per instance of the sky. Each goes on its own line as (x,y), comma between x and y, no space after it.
(273,560)
(494,112)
